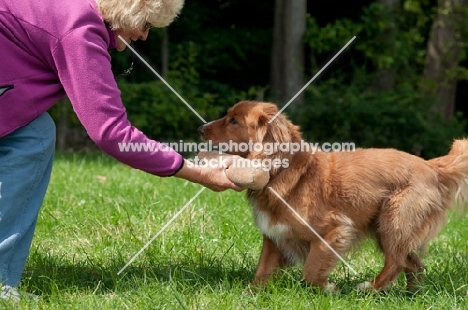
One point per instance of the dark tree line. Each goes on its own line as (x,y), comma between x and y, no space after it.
(403,69)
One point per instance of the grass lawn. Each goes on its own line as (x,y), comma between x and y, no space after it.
(98,214)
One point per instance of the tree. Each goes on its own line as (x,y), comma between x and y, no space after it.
(287,58)
(444,51)
(386,77)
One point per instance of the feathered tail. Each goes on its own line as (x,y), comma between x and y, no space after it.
(453,172)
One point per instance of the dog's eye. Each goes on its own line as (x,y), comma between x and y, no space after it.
(233,121)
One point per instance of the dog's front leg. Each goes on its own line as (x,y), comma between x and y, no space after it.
(271,259)
(321,260)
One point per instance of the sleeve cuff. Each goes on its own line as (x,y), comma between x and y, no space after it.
(178,169)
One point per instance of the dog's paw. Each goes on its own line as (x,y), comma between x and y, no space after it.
(330,288)
(365,286)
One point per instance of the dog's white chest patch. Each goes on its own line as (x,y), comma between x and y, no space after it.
(275,231)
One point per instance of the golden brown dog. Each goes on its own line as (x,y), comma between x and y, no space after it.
(397,198)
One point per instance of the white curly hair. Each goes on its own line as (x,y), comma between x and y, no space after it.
(134,14)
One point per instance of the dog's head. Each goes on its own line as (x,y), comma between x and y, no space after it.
(248,122)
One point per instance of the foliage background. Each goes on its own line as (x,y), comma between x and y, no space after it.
(220,53)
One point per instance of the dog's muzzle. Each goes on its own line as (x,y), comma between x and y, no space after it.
(201,129)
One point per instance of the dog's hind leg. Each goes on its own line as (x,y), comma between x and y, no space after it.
(408,220)
(271,260)
(388,273)
(414,272)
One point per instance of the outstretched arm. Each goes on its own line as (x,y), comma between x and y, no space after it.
(213,178)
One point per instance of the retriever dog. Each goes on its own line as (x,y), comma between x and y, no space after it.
(396,198)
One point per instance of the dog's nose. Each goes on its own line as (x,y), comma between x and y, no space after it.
(201,129)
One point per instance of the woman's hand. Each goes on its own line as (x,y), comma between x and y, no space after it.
(212,176)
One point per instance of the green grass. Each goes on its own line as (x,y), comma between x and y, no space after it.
(98,214)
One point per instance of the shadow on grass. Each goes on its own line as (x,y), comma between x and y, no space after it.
(46,274)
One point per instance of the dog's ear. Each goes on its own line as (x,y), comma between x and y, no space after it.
(278,130)
(262,127)
(272,128)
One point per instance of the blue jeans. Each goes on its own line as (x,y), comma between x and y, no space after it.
(26,157)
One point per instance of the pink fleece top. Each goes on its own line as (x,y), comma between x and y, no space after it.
(49,48)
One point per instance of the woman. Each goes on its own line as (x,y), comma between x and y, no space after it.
(50,48)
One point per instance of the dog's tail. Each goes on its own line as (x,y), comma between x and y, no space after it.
(453,172)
